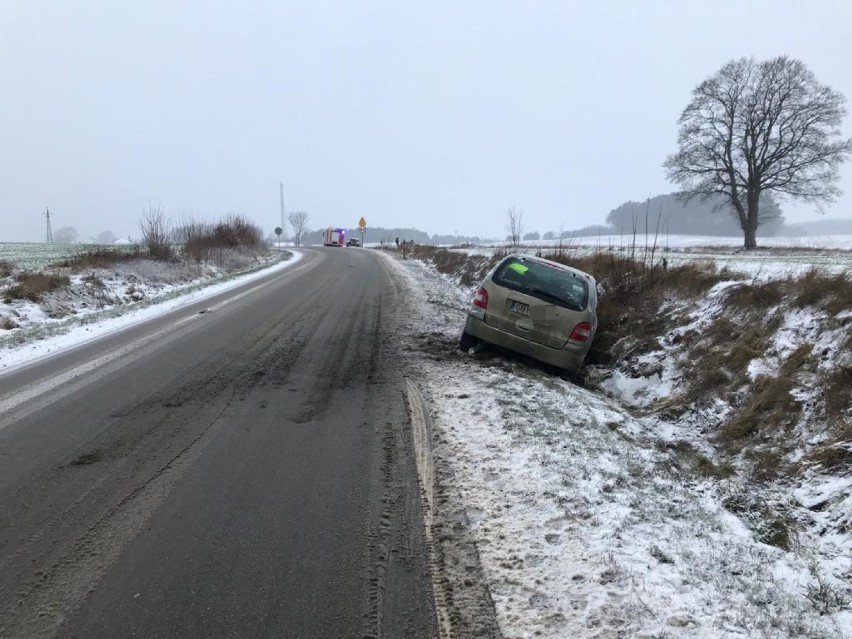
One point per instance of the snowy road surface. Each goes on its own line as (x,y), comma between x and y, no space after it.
(243,471)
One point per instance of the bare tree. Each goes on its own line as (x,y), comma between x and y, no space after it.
(756,127)
(514,224)
(299,221)
(156,233)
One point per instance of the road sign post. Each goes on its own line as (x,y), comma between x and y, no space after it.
(362,228)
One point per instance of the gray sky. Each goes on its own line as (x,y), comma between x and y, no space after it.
(437,115)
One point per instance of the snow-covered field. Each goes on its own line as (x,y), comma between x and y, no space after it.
(36,256)
(586,526)
(101,301)
(776,257)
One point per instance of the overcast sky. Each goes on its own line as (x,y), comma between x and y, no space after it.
(437,115)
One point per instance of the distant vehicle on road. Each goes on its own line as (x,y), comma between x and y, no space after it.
(334,237)
(535,307)
(353,241)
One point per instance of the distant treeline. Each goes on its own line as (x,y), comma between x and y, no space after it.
(665,214)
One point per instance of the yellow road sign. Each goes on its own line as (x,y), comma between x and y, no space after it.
(362,223)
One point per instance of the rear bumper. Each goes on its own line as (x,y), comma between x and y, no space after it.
(569,358)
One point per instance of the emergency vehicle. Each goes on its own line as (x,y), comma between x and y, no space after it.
(334,237)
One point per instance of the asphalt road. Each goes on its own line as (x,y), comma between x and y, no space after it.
(241,467)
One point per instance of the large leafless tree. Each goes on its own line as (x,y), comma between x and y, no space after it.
(758,127)
(514,224)
(299,222)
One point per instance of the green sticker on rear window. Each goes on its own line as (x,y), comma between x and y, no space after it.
(519,268)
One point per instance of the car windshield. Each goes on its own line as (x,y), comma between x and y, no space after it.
(546,282)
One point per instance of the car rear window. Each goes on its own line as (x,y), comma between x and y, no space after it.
(546,282)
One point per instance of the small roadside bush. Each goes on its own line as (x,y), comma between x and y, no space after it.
(6,268)
(32,286)
(203,242)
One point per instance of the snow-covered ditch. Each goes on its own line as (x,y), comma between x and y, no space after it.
(585,523)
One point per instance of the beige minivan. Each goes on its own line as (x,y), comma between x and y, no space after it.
(535,307)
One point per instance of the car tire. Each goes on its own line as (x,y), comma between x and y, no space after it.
(467,341)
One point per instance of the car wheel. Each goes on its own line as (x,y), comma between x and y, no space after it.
(467,341)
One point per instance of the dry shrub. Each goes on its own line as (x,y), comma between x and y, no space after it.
(203,242)
(7,323)
(156,233)
(6,268)
(32,286)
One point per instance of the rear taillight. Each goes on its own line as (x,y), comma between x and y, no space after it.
(582,332)
(480,300)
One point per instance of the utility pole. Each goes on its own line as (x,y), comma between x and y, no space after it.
(281,184)
(49,232)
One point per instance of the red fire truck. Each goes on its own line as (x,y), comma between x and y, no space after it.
(334,237)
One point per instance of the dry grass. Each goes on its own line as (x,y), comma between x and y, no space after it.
(838,392)
(7,323)
(101,257)
(470,269)
(718,357)
(756,295)
(6,268)
(32,286)
(829,291)
(686,457)
(770,408)
(832,457)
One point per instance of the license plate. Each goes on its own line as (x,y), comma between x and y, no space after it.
(519,307)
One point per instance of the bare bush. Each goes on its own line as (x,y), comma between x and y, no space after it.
(217,243)
(156,233)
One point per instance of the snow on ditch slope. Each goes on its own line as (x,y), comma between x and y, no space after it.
(584,527)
